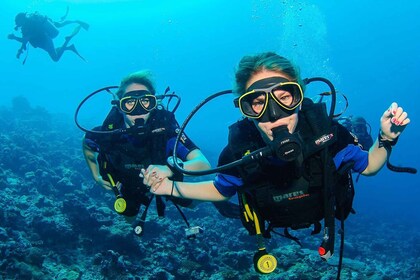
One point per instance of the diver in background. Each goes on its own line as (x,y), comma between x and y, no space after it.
(40,30)
(360,128)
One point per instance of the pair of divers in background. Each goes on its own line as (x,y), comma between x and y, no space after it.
(40,31)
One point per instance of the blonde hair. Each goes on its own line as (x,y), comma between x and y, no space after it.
(142,77)
(249,65)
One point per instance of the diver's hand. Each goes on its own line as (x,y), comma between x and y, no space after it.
(158,185)
(162,188)
(105,184)
(393,122)
(11,36)
(156,173)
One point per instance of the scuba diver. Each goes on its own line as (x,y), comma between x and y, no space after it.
(137,134)
(360,128)
(288,160)
(40,30)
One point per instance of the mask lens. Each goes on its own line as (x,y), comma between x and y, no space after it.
(288,95)
(128,104)
(252,104)
(148,102)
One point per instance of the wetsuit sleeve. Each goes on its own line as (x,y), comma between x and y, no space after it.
(227,185)
(352,153)
(92,140)
(182,149)
(185,145)
(347,149)
(228,182)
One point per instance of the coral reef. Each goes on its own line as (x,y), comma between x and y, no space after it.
(56,224)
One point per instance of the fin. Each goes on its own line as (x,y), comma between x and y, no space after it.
(73,49)
(75,31)
(84,25)
(65,15)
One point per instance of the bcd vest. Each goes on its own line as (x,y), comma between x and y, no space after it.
(291,195)
(124,155)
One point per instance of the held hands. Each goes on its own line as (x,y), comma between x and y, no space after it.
(393,122)
(164,187)
(156,177)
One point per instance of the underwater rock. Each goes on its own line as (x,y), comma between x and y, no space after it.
(65,274)
(3,234)
(111,263)
(35,257)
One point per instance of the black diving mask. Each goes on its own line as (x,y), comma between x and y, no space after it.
(270,99)
(137,102)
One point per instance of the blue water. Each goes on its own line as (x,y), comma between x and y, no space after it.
(370,50)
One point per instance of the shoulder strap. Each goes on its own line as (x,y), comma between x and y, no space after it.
(113,120)
(316,122)
(160,127)
(243,137)
(315,128)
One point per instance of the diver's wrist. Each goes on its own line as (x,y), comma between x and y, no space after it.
(170,172)
(384,140)
(176,174)
(175,189)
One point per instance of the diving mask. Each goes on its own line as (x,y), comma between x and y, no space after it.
(137,102)
(270,99)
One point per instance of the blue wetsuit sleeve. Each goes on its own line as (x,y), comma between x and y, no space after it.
(92,145)
(227,185)
(352,153)
(185,144)
(92,141)
(181,150)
